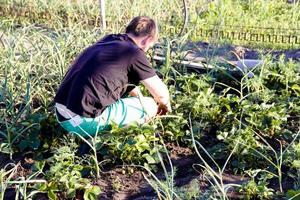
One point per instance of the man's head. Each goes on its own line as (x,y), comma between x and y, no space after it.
(143,30)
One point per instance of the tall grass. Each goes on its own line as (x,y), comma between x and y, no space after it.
(33,63)
(206,14)
(40,58)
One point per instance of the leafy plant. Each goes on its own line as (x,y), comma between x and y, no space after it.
(64,176)
(258,189)
(164,189)
(214,177)
(191,191)
(18,121)
(134,144)
(5,176)
(293,160)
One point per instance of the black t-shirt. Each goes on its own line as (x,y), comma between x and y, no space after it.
(102,74)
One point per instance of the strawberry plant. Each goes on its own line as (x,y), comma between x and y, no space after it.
(134,144)
(64,175)
(257,187)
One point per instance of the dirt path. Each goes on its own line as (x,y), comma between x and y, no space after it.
(135,187)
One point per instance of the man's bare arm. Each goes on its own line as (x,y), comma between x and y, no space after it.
(160,93)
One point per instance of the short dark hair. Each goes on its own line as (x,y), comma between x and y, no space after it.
(142,26)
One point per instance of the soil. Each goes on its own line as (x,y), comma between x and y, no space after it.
(119,182)
(134,186)
(120,185)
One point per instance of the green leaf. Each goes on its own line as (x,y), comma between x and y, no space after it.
(131,141)
(143,146)
(4,148)
(42,187)
(140,138)
(296,88)
(71,193)
(52,195)
(23,145)
(40,165)
(91,193)
(294,194)
(149,159)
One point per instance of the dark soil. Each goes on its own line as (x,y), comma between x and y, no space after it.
(119,182)
(120,185)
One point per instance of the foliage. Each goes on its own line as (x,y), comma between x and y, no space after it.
(134,144)
(293,160)
(21,126)
(189,192)
(235,113)
(258,189)
(293,194)
(64,176)
(23,184)
(5,176)
(165,189)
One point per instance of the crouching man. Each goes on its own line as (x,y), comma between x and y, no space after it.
(100,86)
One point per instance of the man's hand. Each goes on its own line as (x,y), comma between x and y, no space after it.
(162,109)
(160,93)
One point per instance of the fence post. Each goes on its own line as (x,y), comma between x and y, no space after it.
(102,14)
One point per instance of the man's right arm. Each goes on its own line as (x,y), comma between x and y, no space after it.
(160,93)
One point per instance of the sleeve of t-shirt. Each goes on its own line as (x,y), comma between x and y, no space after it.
(141,68)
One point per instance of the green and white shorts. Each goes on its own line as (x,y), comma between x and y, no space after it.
(123,112)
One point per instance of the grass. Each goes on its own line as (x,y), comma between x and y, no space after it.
(275,17)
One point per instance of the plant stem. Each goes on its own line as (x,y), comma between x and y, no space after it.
(96,159)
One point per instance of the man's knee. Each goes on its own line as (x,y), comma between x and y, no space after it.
(150,106)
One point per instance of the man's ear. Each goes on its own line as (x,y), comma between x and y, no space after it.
(145,40)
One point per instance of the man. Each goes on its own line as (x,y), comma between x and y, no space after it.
(99,87)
